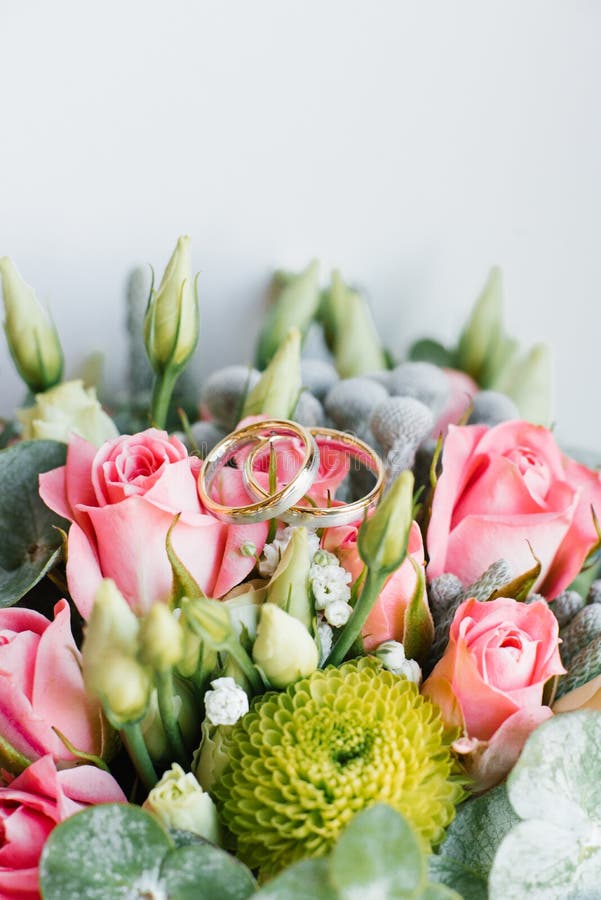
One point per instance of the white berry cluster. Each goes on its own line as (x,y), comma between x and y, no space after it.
(330,584)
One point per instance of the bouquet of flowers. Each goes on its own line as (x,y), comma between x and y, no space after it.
(327,627)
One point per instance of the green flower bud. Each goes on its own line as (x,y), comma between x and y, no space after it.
(32,338)
(529,382)
(294,306)
(211,758)
(161,639)
(185,708)
(111,670)
(243,604)
(355,343)
(277,391)
(289,585)
(209,619)
(67,409)
(179,802)
(284,649)
(383,538)
(172,319)
(483,329)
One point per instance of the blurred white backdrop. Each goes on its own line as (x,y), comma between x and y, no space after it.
(412,144)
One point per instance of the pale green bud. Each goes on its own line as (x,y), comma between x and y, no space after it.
(289,585)
(243,604)
(111,670)
(64,410)
(185,709)
(277,391)
(211,758)
(209,619)
(161,639)
(484,328)
(32,337)
(529,383)
(179,802)
(284,650)
(356,346)
(383,538)
(294,306)
(172,320)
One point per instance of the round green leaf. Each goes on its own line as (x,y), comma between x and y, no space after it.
(427,350)
(204,872)
(378,855)
(464,863)
(555,787)
(103,853)
(309,878)
(29,542)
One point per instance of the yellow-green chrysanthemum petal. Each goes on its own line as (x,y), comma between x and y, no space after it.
(304,762)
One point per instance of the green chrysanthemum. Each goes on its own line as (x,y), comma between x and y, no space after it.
(304,762)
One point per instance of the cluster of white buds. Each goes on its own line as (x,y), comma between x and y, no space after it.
(330,583)
(226,702)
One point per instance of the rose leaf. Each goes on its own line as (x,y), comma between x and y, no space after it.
(30,543)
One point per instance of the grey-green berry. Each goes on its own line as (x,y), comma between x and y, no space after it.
(495,577)
(585,666)
(423,381)
(584,627)
(223,393)
(318,376)
(350,402)
(565,606)
(491,408)
(401,421)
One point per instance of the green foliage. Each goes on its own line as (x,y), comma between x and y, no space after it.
(30,542)
(117,851)
(378,855)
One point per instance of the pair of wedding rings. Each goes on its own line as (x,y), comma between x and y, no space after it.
(284,502)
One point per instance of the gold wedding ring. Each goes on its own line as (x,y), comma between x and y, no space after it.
(321,516)
(268,506)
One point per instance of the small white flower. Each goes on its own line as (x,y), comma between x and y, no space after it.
(324,558)
(338,613)
(226,703)
(272,553)
(325,635)
(330,583)
(392,656)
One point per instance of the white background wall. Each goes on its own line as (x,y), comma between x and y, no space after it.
(410,143)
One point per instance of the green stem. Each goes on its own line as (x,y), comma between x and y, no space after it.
(139,755)
(165,696)
(374,582)
(162,390)
(240,655)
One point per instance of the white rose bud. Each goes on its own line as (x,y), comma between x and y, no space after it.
(284,650)
(179,802)
(64,410)
(226,702)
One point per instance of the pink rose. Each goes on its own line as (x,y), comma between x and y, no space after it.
(502,488)
(490,680)
(31,806)
(386,620)
(122,500)
(462,391)
(41,687)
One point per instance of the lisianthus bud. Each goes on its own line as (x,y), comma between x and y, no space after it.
(211,758)
(355,343)
(284,650)
(32,337)
(289,585)
(111,670)
(209,619)
(161,639)
(483,329)
(171,323)
(383,538)
(185,709)
(277,391)
(528,381)
(67,409)
(294,306)
(179,802)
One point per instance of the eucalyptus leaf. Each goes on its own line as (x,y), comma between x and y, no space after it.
(428,350)
(30,543)
(103,853)
(309,878)
(205,872)
(463,862)
(555,788)
(378,855)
